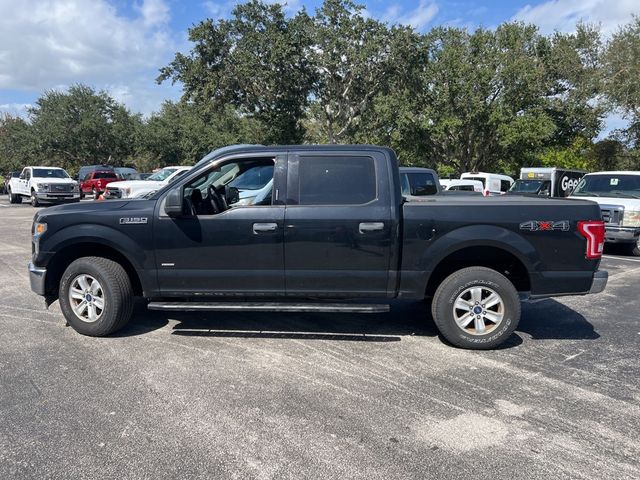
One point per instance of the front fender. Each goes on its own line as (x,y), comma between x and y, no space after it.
(92,233)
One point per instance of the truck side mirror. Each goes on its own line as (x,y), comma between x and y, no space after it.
(173,205)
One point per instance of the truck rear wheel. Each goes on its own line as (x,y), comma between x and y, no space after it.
(476,308)
(14,198)
(634,248)
(96,296)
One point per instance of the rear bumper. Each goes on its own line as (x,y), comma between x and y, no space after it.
(621,234)
(599,282)
(37,278)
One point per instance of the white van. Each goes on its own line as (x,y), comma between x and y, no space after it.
(493,183)
(462,185)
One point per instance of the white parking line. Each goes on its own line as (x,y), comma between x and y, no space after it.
(637,260)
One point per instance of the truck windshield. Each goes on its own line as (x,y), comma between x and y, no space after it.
(50,173)
(608,185)
(526,186)
(162,174)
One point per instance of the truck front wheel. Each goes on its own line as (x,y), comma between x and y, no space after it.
(34,199)
(476,308)
(96,296)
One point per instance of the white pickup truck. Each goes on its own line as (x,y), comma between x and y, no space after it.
(140,188)
(618,194)
(43,185)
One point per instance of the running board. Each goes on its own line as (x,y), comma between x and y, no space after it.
(268,307)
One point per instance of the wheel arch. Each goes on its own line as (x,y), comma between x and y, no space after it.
(89,248)
(480,246)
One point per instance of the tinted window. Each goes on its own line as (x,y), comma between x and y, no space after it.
(504,185)
(87,177)
(336,180)
(105,175)
(422,184)
(609,185)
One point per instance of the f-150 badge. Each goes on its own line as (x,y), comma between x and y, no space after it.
(540,225)
(133,220)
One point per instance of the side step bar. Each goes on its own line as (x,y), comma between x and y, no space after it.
(268,307)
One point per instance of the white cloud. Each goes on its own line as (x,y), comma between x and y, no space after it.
(154,12)
(417,18)
(48,44)
(563,15)
(15,109)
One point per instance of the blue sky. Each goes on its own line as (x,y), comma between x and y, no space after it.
(119,45)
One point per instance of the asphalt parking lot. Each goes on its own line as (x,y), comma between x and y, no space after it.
(238,395)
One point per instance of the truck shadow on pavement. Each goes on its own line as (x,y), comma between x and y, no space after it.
(547,319)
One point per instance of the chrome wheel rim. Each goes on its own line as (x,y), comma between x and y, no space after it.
(478,310)
(86,298)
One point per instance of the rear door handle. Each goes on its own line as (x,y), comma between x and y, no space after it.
(264,227)
(366,227)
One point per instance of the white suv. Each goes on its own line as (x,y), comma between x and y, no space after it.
(618,194)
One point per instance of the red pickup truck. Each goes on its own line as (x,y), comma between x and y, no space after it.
(95,183)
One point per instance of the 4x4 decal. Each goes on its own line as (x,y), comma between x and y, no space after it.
(545,225)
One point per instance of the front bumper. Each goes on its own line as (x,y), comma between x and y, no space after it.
(46,197)
(621,234)
(37,277)
(599,282)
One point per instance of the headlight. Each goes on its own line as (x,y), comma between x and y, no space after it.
(76,187)
(38,229)
(631,217)
(42,187)
(125,192)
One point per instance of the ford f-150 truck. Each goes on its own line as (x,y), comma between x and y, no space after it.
(334,230)
(43,185)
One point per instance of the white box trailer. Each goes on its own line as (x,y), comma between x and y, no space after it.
(547,181)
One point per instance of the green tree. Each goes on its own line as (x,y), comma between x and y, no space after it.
(258,61)
(621,71)
(182,133)
(82,126)
(17,143)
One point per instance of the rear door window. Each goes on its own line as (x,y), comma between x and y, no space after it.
(504,185)
(336,180)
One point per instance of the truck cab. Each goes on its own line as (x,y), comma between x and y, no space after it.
(546,182)
(618,194)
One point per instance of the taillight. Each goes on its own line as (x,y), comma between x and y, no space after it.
(593,231)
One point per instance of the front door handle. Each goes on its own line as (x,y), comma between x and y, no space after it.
(366,227)
(264,227)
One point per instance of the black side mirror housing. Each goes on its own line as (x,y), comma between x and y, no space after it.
(173,205)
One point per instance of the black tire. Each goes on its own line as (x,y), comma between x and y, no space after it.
(34,199)
(117,295)
(456,287)
(14,198)
(81,194)
(634,249)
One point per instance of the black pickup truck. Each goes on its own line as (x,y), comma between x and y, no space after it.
(327,228)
